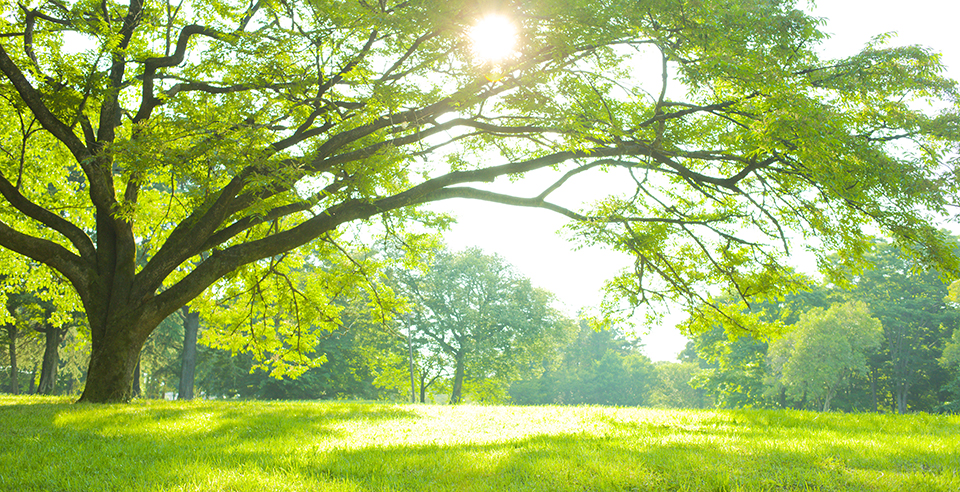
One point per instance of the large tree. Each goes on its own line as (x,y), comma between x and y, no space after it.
(210,136)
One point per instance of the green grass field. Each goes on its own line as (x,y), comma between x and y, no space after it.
(51,445)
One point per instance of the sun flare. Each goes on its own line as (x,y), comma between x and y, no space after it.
(493,38)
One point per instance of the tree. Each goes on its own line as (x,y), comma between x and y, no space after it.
(597,367)
(675,389)
(825,348)
(188,356)
(909,301)
(208,138)
(488,322)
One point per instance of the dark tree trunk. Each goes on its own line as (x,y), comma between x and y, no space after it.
(188,358)
(457,394)
(32,389)
(113,364)
(51,360)
(424,384)
(14,370)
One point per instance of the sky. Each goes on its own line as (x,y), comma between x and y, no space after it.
(528,238)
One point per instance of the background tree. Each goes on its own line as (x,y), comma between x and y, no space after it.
(909,300)
(675,390)
(825,348)
(224,136)
(598,367)
(489,323)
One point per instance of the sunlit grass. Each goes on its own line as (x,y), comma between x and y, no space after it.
(50,444)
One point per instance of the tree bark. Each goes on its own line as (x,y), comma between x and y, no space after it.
(114,361)
(51,360)
(33,381)
(188,357)
(14,370)
(901,396)
(456,394)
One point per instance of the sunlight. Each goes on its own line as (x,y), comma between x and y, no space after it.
(493,38)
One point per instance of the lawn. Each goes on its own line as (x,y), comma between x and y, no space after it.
(48,444)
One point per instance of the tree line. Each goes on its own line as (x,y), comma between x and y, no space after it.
(466,326)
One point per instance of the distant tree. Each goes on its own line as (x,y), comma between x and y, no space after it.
(910,302)
(598,367)
(487,321)
(824,348)
(675,389)
(343,373)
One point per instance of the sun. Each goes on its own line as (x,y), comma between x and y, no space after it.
(493,38)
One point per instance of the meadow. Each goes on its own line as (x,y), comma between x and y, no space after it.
(50,444)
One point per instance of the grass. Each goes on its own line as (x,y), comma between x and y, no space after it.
(49,444)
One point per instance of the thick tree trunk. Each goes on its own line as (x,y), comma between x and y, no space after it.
(14,370)
(456,394)
(113,361)
(51,360)
(188,357)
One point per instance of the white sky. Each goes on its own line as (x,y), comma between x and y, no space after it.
(527,238)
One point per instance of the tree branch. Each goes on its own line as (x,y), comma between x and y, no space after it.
(49,253)
(77,237)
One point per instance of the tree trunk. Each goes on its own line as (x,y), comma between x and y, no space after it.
(32,389)
(413,380)
(51,360)
(113,361)
(188,358)
(137,391)
(901,397)
(423,389)
(14,370)
(456,394)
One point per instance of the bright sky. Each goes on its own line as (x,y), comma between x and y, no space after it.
(528,239)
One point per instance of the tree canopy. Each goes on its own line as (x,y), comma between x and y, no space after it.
(150,149)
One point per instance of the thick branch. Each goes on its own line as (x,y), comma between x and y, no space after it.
(148,101)
(49,253)
(77,237)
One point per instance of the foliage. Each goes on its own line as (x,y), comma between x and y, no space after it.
(478,323)
(335,446)
(825,348)
(909,300)
(675,389)
(154,152)
(902,375)
(598,367)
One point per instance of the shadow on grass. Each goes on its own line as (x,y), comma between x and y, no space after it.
(308,446)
